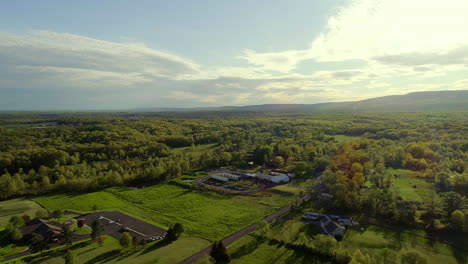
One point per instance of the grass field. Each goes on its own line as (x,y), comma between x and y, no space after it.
(204,214)
(375,238)
(112,252)
(16,207)
(411,188)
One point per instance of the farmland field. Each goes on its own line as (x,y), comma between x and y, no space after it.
(411,188)
(112,252)
(375,238)
(204,214)
(16,207)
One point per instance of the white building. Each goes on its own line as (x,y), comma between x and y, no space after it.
(273,178)
(220,178)
(231,176)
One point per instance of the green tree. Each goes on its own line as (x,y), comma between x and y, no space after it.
(16,221)
(452,201)
(457,220)
(126,240)
(387,256)
(58,213)
(70,257)
(97,229)
(174,232)
(324,244)
(412,257)
(67,234)
(41,213)
(360,258)
(16,234)
(219,253)
(38,243)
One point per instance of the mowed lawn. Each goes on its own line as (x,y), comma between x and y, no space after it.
(17,207)
(375,238)
(204,214)
(112,252)
(411,188)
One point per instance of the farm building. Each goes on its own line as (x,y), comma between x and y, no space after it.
(231,176)
(220,178)
(273,178)
(279,178)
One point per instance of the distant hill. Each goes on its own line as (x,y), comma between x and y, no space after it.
(437,101)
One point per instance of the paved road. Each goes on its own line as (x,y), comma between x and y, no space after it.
(228,240)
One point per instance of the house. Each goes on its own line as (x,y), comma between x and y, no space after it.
(325,197)
(333,225)
(330,227)
(47,229)
(311,216)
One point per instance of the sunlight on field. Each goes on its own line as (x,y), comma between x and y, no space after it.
(204,214)
(17,207)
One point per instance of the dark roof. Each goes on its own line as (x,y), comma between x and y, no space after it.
(48,229)
(331,227)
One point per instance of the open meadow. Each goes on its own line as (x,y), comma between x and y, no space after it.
(411,188)
(19,207)
(204,214)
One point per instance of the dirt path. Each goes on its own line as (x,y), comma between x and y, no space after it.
(228,240)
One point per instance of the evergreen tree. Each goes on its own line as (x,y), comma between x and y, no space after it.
(97,229)
(219,253)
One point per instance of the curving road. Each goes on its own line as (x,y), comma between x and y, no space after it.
(228,240)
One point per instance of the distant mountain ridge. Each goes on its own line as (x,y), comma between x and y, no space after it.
(436,101)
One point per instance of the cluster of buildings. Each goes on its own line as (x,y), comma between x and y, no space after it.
(333,225)
(273,177)
(48,229)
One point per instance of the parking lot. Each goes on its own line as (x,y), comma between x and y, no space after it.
(115,223)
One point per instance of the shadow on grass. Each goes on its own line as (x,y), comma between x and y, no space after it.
(54,253)
(105,257)
(155,246)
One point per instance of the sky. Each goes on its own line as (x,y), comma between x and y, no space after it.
(115,54)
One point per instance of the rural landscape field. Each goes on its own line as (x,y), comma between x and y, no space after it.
(400,179)
(243,132)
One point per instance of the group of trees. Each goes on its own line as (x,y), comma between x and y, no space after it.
(85,153)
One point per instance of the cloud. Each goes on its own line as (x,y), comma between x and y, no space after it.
(283,62)
(461,84)
(456,56)
(387,32)
(366,29)
(402,44)
(64,56)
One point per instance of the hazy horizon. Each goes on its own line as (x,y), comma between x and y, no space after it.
(116,55)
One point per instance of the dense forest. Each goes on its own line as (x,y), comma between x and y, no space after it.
(352,155)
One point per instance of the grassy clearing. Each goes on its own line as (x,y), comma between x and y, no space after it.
(172,253)
(375,238)
(204,214)
(343,138)
(410,188)
(17,207)
(199,149)
(112,252)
